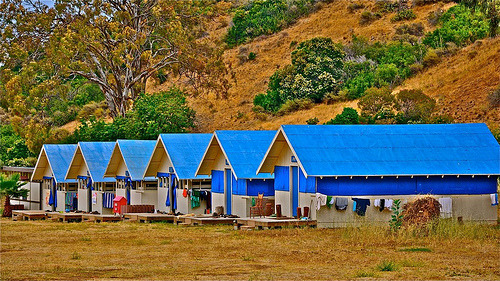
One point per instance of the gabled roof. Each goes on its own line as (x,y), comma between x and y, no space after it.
(243,150)
(376,150)
(184,151)
(135,154)
(57,158)
(95,155)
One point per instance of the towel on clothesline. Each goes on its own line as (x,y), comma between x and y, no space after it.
(107,200)
(446,206)
(360,205)
(494,199)
(320,200)
(330,201)
(388,203)
(341,203)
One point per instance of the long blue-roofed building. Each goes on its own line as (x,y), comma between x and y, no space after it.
(231,158)
(57,193)
(173,162)
(87,167)
(336,170)
(127,165)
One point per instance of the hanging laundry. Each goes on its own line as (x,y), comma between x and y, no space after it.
(330,201)
(341,203)
(320,200)
(185,193)
(494,199)
(381,205)
(446,207)
(376,203)
(361,205)
(195,199)
(354,206)
(388,203)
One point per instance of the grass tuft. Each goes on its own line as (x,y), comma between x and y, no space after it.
(248,258)
(387,266)
(85,239)
(415,249)
(362,274)
(76,256)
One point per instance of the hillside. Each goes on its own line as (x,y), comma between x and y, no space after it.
(460,83)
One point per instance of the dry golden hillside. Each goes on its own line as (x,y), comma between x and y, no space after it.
(461,83)
(470,73)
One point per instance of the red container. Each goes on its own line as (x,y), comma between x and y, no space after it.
(118,202)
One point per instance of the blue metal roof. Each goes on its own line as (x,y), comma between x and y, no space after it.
(97,155)
(136,154)
(59,157)
(365,150)
(185,151)
(244,151)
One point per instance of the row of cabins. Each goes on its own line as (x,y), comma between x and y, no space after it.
(295,166)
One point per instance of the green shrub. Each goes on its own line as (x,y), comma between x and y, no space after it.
(386,6)
(415,29)
(348,116)
(494,98)
(368,17)
(355,6)
(414,106)
(416,68)
(357,86)
(294,105)
(386,75)
(252,56)
(376,100)
(431,59)
(441,119)
(459,25)
(402,15)
(312,121)
(316,70)
(261,17)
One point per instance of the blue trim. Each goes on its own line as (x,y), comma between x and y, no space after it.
(344,186)
(295,189)
(162,175)
(47,178)
(120,177)
(229,192)
(82,177)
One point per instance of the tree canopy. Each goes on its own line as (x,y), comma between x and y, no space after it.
(108,49)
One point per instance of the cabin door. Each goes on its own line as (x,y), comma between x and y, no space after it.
(294,189)
(228,191)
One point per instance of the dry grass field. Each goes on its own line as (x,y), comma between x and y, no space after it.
(129,251)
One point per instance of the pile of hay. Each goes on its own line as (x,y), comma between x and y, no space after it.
(420,212)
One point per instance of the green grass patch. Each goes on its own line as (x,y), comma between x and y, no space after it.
(387,266)
(415,249)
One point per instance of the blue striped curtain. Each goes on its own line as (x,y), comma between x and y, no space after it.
(107,200)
